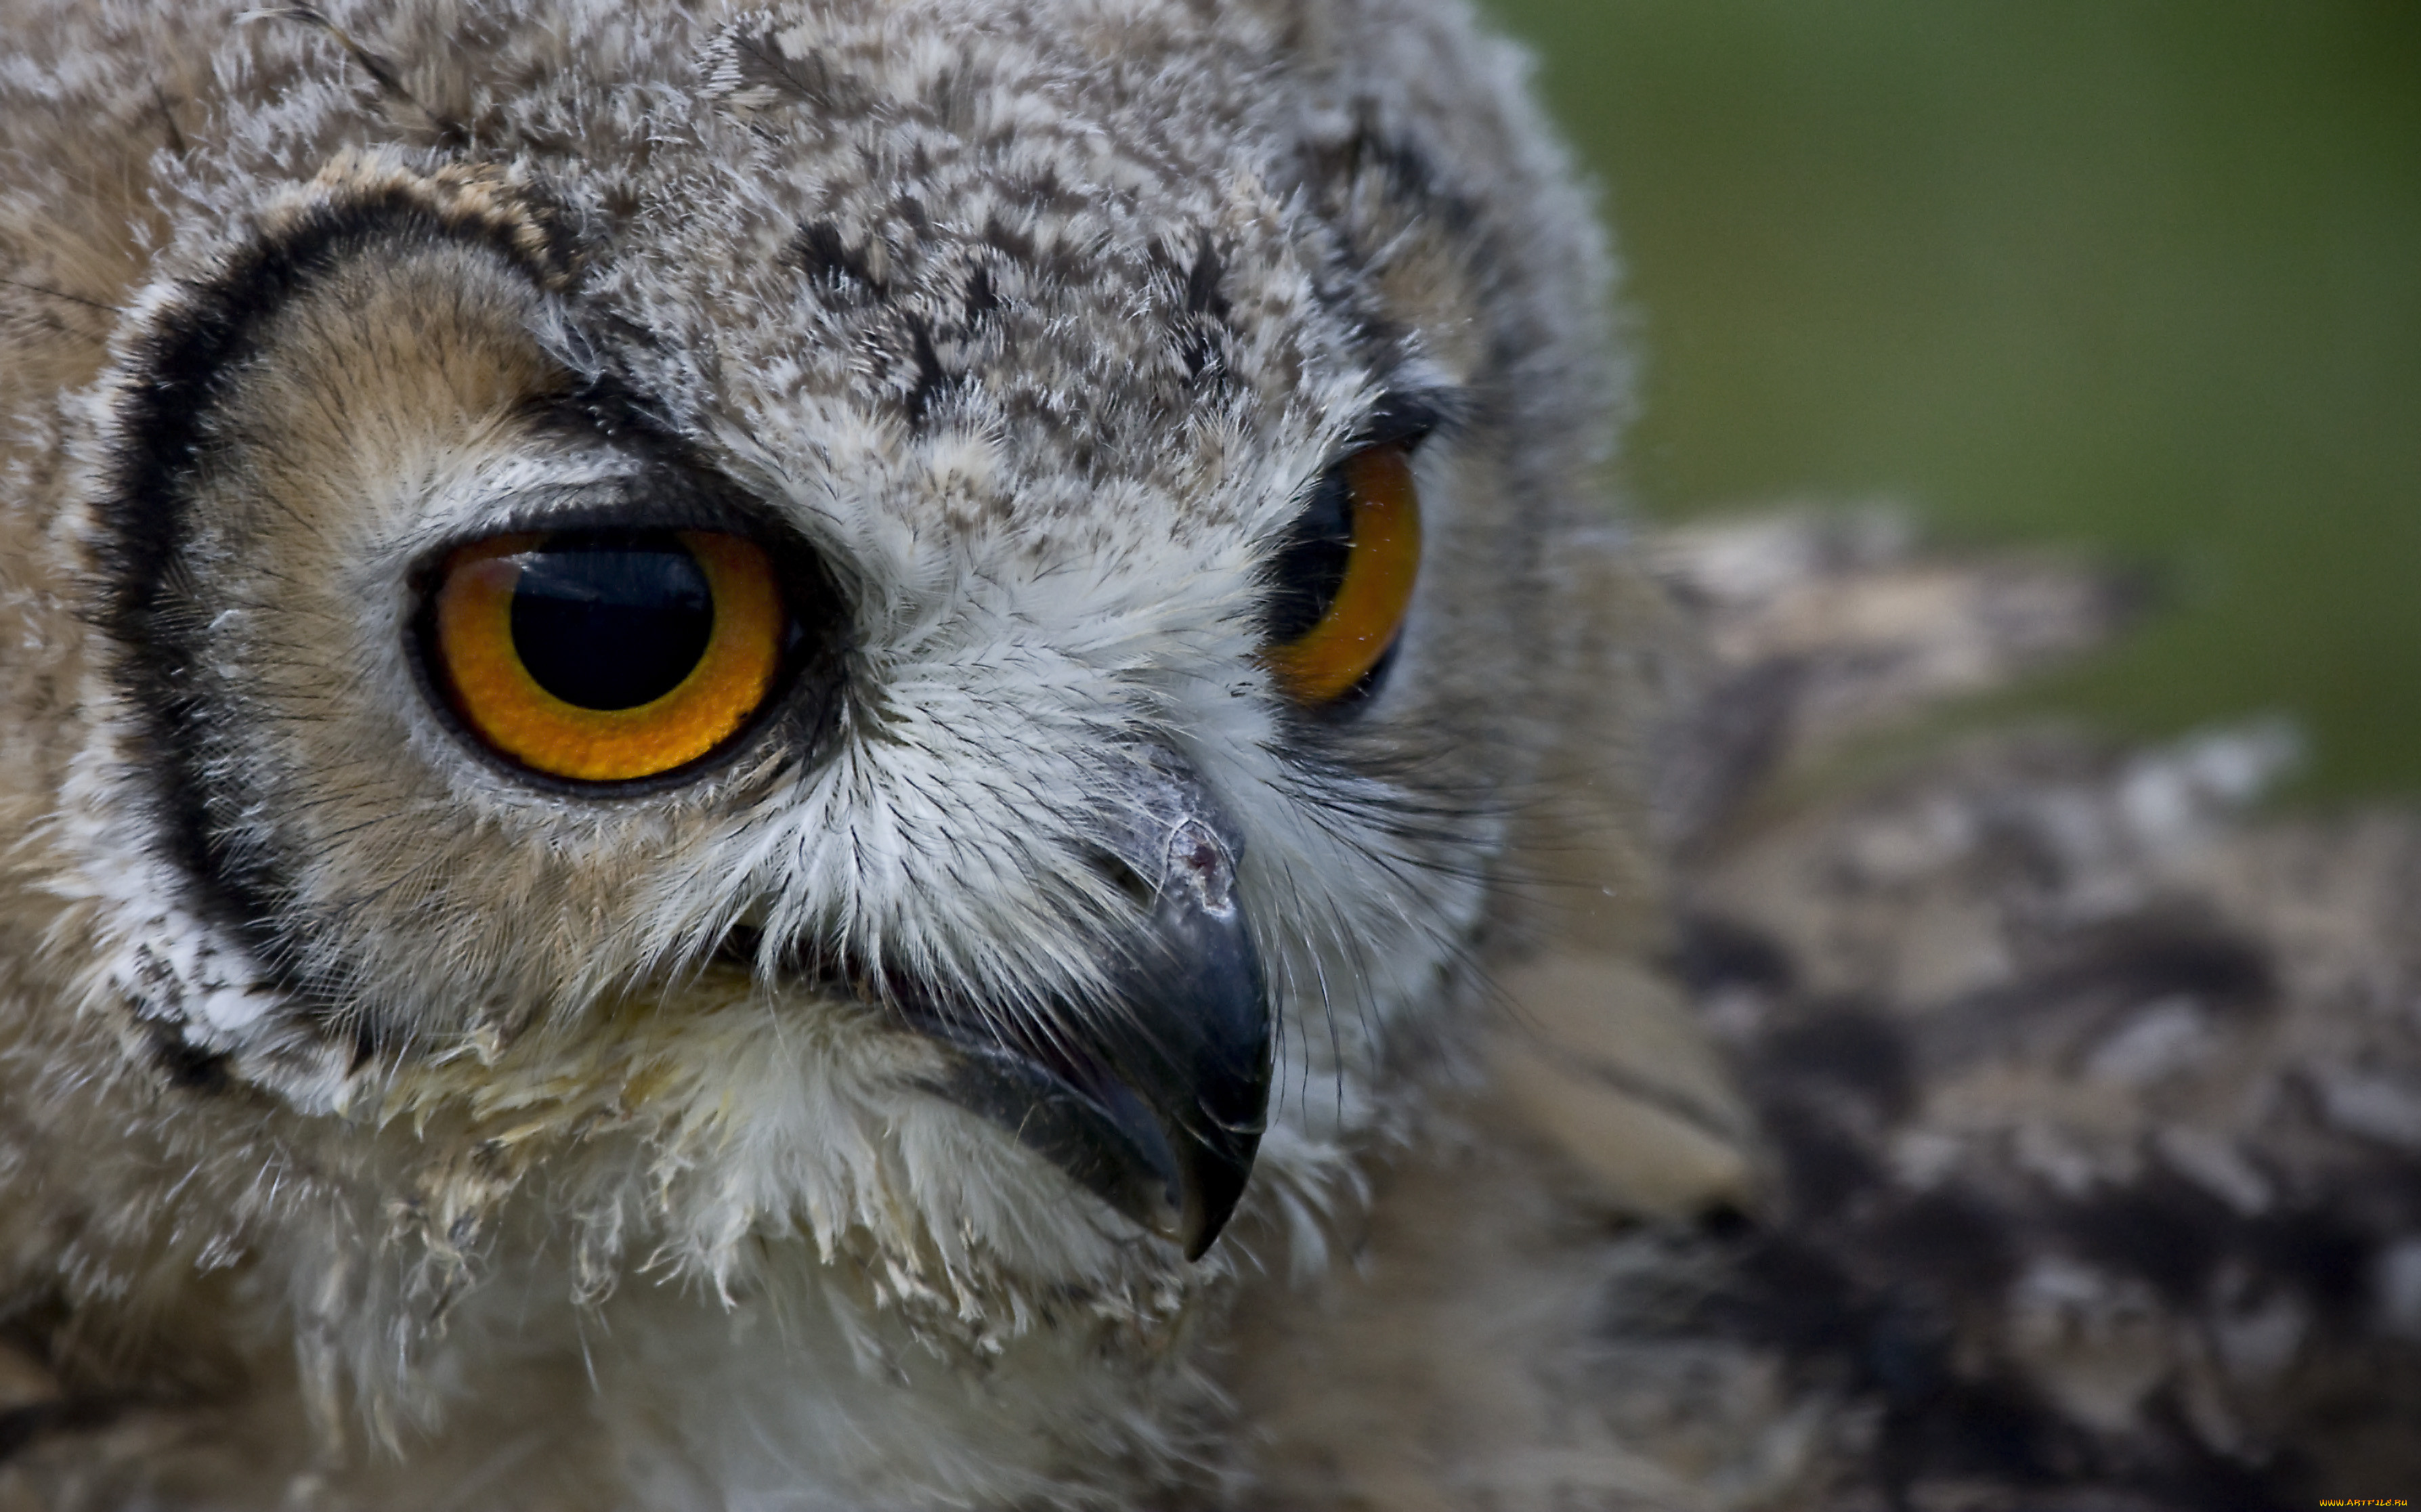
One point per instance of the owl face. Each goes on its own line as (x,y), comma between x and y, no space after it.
(890,609)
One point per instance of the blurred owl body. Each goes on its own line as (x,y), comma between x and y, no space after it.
(806,1123)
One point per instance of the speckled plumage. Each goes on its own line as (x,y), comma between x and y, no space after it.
(383,1128)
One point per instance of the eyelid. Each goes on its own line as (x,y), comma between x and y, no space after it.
(581,507)
(1403,419)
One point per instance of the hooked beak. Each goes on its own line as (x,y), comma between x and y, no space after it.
(1159,1109)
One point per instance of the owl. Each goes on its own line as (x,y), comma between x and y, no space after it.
(762,758)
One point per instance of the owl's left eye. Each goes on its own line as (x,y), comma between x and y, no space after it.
(1344,578)
(607,655)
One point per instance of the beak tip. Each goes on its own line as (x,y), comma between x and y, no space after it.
(1159,1109)
(1206,1216)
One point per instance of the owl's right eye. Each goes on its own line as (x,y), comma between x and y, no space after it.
(607,655)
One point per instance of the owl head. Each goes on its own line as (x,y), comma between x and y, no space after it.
(911,625)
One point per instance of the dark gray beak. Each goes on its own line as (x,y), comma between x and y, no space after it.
(1157,1106)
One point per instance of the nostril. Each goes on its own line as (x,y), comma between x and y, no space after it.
(1197,857)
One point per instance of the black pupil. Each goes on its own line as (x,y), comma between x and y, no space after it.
(1310,566)
(611,620)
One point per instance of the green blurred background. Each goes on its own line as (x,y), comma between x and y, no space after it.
(2141,275)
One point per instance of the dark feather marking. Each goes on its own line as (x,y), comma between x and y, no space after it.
(933,383)
(1847,1048)
(2157,956)
(382,71)
(20,1427)
(187,1065)
(2188,1476)
(2104,973)
(1889,1290)
(1712,953)
(1824,1170)
(1203,296)
(1015,244)
(1951,1240)
(828,259)
(182,369)
(1203,331)
(1946,1427)
(2321,1254)
(981,299)
(1885,1332)
(812,81)
(1404,171)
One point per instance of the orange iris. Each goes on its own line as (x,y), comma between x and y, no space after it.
(650,652)
(1358,625)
